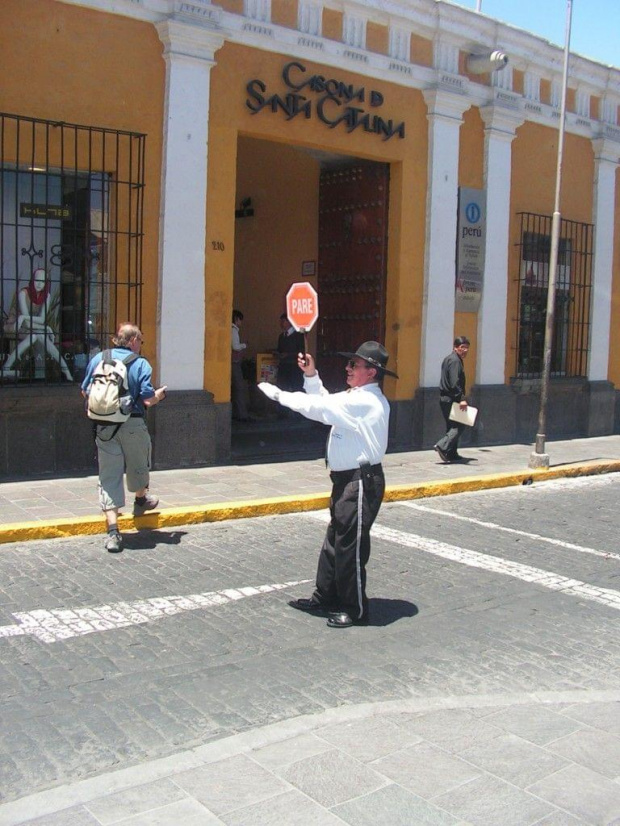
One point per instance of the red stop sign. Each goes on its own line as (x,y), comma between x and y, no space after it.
(302,306)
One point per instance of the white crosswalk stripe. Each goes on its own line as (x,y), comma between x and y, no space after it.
(494,564)
(471,519)
(63,623)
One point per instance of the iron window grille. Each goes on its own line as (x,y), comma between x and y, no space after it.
(571,334)
(71,206)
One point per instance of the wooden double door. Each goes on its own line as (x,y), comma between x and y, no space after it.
(353,227)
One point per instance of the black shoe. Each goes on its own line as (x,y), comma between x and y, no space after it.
(442,453)
(310,606)
(340,619)
(456,457)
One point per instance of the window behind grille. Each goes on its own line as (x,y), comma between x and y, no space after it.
(569,351)
(71,203)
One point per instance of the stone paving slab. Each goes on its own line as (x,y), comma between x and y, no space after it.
(304,771)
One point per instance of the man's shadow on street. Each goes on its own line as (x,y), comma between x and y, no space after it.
(145,540)
(386,611)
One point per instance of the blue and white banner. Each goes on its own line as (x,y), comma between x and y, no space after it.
(471,237)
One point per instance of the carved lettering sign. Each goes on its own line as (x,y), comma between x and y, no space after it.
(335,104)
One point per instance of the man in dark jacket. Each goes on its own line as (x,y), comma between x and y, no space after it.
(290,345)
(452,389)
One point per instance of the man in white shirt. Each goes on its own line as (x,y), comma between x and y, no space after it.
(238,385)
(359,419)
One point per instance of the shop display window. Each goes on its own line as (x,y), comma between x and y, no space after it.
(71,239)
(569,349)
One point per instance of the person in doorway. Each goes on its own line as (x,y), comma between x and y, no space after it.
(290,343)
(33,323)
(357,442)
(452,389)
(128,450)
(238,385)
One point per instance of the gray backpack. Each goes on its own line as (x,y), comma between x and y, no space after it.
(109,399)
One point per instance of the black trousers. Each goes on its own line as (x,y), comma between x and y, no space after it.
(450,442)
(341,574)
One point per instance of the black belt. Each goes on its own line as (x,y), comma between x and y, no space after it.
(136,415)
(355,473)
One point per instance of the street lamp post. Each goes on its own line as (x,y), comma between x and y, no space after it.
(539,458)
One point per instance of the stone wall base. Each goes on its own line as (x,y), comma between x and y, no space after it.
(509,413)
(44,431)
(188,430)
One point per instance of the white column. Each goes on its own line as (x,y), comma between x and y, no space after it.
(606,156)
(188,52)
(500,126)
(445,111)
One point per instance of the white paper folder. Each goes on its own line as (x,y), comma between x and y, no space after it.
(467,416)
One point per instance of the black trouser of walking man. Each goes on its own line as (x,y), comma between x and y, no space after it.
(449,443)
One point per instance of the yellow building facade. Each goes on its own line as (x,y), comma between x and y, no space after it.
(168,161)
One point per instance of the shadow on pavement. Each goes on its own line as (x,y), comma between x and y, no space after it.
(146,539)
(386,611)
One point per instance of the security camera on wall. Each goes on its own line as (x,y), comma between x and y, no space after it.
(482,64)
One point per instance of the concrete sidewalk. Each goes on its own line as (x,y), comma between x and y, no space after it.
(56,507)
(493,760)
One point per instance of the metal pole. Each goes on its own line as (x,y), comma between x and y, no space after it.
(478,5)
(539,458)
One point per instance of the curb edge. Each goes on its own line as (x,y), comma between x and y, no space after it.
(194,515)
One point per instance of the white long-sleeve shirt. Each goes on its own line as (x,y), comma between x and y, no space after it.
(359,418)
(237,346)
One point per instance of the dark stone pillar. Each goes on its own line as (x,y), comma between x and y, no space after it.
(44,431)
(497,414)
(428,423)
(401,425)
(601,403)
(188,429)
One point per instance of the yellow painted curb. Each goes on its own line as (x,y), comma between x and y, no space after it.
(196,514)
(420,490)
(166,518)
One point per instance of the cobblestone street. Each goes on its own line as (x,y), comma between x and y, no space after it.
(185,638)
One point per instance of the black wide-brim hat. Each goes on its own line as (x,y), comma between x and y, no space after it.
(375,354)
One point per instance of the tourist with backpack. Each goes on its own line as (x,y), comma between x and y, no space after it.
(118,388)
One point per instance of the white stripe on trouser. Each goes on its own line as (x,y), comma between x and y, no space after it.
(358,543)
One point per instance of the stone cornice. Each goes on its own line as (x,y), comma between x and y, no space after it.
(607,149)
(184,38)
(427,18)
(197,12)
(148,10)
(445,105)
(501,121)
